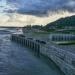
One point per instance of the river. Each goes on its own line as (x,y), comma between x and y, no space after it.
(18,60)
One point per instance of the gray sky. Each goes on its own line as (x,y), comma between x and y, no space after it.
(42,7)
(22,11)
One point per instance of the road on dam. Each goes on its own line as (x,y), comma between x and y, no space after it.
(17,60)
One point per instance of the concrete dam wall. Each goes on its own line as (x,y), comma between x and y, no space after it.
(63,59)
(27,43)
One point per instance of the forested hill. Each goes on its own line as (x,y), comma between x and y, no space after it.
(68,21)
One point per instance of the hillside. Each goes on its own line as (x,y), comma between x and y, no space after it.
(62,22)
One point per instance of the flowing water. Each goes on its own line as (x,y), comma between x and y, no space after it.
(17,60)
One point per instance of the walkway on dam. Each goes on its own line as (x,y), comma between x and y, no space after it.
(17,60)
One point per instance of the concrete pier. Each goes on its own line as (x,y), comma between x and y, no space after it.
(27,43)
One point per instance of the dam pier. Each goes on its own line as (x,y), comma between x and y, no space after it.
(35,46)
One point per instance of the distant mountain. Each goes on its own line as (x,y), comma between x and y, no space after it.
(62,22)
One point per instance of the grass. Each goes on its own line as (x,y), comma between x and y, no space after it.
(65,42)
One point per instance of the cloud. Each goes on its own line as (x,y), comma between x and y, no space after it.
(25,12)
(42,7)
(16,19)
(6,7)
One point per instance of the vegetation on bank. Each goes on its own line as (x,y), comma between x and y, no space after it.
(65,42)
(63,22)
(67,25)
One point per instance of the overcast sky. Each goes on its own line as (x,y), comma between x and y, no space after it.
(23,12)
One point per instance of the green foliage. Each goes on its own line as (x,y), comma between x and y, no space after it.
(68,43)
(37,26)
(62,22)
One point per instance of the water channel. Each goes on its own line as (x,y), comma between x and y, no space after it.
(18,60)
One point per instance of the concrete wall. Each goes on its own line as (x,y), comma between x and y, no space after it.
(27,43)
(61,57)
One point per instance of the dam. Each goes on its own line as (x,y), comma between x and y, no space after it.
(63,58)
